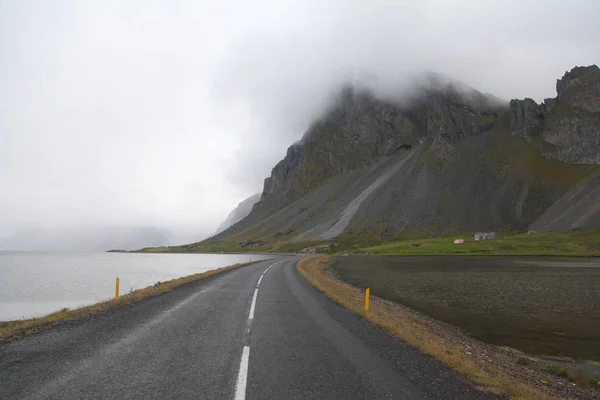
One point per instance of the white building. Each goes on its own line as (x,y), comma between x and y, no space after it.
(485,236)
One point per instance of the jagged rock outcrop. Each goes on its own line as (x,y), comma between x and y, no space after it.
(580,88)
(568,126)
(527,118)
(452,117)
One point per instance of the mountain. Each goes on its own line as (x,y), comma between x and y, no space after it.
(578,208)
(88,239)
(239,213)
(439,158)
(568,125)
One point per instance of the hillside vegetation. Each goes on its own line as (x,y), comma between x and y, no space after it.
(578,243)
(575,243)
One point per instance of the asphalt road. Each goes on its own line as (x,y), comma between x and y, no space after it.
(244,334)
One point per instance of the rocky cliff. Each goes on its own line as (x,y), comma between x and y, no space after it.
(568,125)
(443,158)
(362,128)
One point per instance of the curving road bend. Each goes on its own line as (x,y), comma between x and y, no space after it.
(257,332)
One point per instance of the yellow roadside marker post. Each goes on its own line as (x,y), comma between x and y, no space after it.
(367,295)
(117,289)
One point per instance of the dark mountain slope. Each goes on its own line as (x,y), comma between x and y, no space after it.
(447,159)
(579,208)
(363,127)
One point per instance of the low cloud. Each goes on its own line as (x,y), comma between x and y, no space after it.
(286,76)
(161,113)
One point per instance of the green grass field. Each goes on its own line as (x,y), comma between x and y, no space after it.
(577,243)
(573,243)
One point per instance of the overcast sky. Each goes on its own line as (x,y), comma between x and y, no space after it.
(168,113)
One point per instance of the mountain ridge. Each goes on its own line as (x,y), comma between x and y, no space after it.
(475,163)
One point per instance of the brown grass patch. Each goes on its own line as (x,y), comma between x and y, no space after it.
(419,333)
(11,330)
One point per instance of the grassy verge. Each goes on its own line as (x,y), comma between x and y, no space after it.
(573,243)
(11,330)
(578,377)
(421,333)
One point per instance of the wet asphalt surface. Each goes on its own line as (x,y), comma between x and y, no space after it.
(188,344)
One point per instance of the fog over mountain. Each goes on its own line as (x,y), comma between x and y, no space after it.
(239,213)
(167,114)
(98,239)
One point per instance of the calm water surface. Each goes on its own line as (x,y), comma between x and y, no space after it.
(37,283)
(543,306)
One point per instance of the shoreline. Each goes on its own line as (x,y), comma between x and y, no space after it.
(15,329)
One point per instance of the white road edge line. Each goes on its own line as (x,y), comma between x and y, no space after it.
(253,305)
(240,390)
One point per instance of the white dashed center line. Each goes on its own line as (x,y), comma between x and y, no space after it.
(253,305)
(240,390)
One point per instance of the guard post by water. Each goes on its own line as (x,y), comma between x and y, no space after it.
(117,289)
